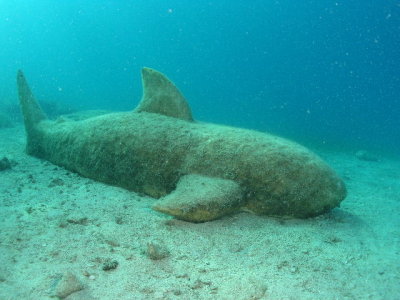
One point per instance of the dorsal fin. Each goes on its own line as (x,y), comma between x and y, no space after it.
(161,96)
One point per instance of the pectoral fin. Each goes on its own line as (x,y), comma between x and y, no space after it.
(199,199)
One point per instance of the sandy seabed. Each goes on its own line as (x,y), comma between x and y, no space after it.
(54,222)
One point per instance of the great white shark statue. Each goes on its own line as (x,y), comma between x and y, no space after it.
(198,171)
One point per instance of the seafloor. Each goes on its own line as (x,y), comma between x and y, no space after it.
(109,244)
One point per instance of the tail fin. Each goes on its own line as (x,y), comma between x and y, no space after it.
(31,110)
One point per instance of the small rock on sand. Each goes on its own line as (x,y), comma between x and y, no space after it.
(67,285)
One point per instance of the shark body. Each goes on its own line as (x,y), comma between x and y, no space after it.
(198,171)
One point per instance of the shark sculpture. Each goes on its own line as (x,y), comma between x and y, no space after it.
(198,171)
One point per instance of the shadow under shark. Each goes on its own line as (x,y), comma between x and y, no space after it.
(199,171)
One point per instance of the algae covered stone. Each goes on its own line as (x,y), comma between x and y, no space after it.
(159,150)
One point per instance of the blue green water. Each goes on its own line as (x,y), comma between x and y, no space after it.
(322,72)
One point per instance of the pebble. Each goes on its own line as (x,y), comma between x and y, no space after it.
(156,251)
(67,285)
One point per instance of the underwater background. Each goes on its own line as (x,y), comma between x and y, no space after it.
(319,72)
(322,73)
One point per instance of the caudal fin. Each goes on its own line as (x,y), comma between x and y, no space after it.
(31,111)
